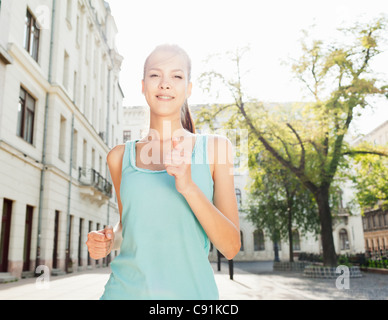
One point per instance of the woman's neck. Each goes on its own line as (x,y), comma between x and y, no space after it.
(166,133)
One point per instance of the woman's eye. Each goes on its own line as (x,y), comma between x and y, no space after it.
(153,75)
(179,77)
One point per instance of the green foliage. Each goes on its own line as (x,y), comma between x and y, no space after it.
(370,176)
(308,140)
(344,260)
(277,200)
(380,264)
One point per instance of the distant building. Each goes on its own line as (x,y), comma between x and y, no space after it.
(135,123)
(375,221)
(378,136)
(60,114)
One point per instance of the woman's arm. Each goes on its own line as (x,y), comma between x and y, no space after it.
(219,220)
(115,161)
(117,237)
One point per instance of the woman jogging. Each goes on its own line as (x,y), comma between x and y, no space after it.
(175,193)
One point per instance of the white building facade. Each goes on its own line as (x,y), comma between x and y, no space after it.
(136,123)
(60,114)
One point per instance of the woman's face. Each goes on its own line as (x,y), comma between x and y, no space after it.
(166,84)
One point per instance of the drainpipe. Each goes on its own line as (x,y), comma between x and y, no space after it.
(42,174)
(107,131)
(108,222)
(69,196)
(108,109)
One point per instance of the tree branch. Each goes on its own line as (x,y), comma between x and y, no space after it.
(288,164)
(356,152)
(302,156)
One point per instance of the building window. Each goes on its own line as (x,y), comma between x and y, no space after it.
(75,87)
(75,149)
(364,223)
(295,240)
(78,31)
(80,242)
(86,106)
(370,222)
(31,36)
(69,10)
(62,138)
(90,230)
(344,240)
(27,238)
(84,155)
(381,220)
(375,221)
(66,71)
(26,116)
(127,136)
(258,240)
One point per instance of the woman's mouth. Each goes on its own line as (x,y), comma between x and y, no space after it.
(165,98)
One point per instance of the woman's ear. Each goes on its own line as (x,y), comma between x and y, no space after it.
(189,89)
(142,87)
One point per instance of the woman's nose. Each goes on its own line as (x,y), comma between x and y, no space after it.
(164,84)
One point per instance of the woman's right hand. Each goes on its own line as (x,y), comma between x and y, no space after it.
(100,243)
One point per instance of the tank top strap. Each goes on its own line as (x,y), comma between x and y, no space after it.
(199,154)
(198,150)
(127,155)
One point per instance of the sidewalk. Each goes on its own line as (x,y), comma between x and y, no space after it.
(252,281)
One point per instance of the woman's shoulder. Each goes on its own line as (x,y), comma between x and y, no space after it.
(115,155)
(218,141)
(220,148)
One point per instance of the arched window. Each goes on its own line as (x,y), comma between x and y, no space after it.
(238,197)
(258,240)
(295,240)
(344,240)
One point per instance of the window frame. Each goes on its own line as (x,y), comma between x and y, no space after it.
(26,116)
(31,35)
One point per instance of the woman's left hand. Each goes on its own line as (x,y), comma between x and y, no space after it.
(178,163)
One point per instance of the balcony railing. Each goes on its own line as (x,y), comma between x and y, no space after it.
(92,178)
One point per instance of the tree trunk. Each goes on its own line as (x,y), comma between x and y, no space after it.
(329,254)
(290,234)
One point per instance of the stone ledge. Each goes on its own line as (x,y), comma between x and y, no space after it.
(297,266)
(375,270)
(329,272)
(7,277)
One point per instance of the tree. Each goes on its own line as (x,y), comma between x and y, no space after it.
(339,78)
(277,202)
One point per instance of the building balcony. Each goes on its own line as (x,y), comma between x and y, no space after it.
(94,186)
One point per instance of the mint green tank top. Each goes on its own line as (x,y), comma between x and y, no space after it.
(164,252)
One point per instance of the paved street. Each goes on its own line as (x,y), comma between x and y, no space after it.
(252,281)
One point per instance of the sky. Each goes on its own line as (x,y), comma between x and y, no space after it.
(272,29)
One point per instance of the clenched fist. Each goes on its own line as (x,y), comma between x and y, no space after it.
(100,243)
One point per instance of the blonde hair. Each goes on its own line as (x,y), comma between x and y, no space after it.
(186,118)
